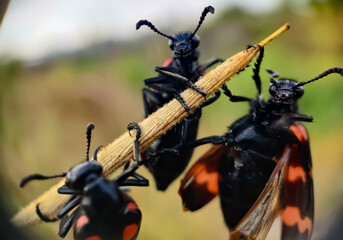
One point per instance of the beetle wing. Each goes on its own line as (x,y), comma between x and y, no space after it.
(297,196)
(289,191)
(257,222)
(200,185)
(134,216)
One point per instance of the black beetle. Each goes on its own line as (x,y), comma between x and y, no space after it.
(177,74)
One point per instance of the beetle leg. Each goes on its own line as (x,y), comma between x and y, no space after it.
(181,101)
(168,69)
(174,150)
(72,202)
(95,155)
(256,70)
(66,224)
(212,139)
(42,217)
(130,170)
(138,180)
(171,91)
(234,98)
(134,125)
(181,78)
(159,80)
(65,190)
(212,99)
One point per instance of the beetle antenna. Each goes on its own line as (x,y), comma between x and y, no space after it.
(150,25)
(202,18)
(323,74)
(90,127)
(273,75)
(36,176)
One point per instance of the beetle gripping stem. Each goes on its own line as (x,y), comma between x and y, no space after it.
(120,150)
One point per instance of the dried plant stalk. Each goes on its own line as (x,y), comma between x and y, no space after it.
(121,149)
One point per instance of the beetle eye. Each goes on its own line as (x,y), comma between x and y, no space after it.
(272,90)
(171,44)
(299,92)
(195,41)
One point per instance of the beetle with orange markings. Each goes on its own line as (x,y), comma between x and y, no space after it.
(261,168)
(104,211)
(176,75)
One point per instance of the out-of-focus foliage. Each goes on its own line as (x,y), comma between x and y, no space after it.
(45,109)
(333,4)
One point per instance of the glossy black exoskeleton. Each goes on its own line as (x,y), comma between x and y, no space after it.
(103,210)
(177,74)
(242,161)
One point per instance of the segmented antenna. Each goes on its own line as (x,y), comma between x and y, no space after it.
(90,127)
(324,74)
(149,24)
(31,177)
(36,176)
(273,75)
(202,18)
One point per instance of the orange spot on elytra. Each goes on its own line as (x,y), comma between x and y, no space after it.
(295,173)
(93,238)
(131,206)
(167,62)
(130,231)
(83,220)
(291,217)
(300,132)
(210,179)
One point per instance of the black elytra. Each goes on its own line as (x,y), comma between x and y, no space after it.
(177,74)
(103,210)
(247,154)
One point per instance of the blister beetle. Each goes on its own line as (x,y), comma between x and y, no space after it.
(177,74)
(104,211)
(261,167)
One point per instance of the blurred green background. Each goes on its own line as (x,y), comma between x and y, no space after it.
(46,106)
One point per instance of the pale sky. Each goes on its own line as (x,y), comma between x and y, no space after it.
(32,29)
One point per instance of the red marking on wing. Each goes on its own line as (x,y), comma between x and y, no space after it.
(284,194)
(93,238)
(130,231)
(300,132)
(167,62)
(83,220)
(291,217)
(295,173)
(200,185)
(259,219)
(210,179)
(297,197)
(131,206)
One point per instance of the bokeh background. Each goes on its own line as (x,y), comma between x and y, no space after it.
(66,63)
